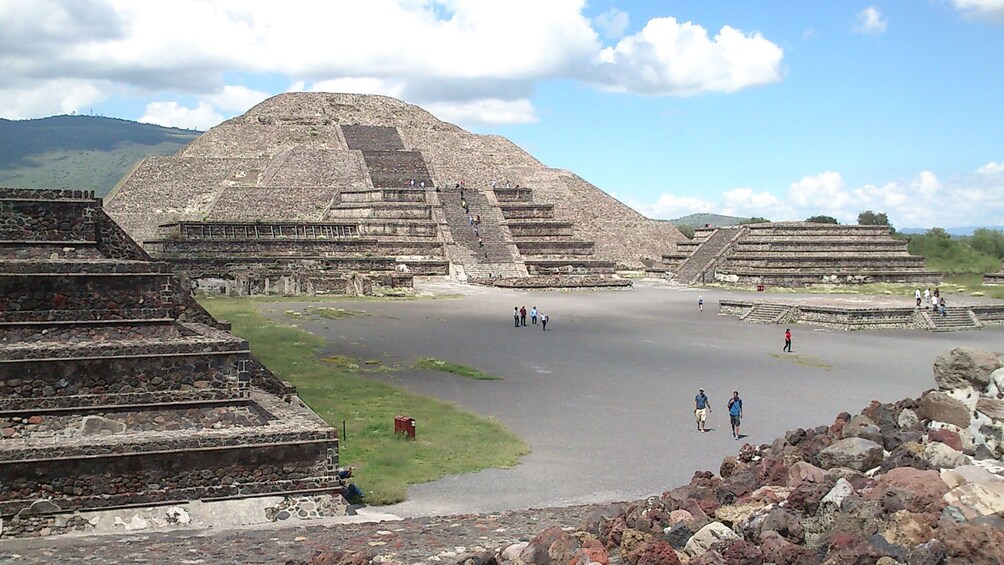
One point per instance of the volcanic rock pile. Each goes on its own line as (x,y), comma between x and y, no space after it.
(918,481)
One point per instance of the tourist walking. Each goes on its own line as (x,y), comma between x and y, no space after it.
(735,413)
(927,296)
(543,321)
(533,315)
(522,316)
(701,409)
(515,315)
(787,340)
(917,296)
(700,303)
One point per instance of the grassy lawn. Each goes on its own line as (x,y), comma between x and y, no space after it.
(454,368)
(449,440)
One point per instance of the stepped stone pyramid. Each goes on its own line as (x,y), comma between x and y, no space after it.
(796,254)
(321,192)
(117,389)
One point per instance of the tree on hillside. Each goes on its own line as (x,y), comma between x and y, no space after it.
(939,233)
(987,241)
(754,220)
(687,231)
(869,218)
(822,220)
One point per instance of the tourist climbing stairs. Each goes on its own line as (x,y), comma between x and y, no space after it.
(955,319)
(768,313)
(694,269)
(482,250)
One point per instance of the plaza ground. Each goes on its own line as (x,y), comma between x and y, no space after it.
(605,396)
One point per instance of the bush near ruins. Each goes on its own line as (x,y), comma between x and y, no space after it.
(950,255)
(687,231)
(822,220)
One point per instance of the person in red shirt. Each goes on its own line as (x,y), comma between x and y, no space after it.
(787,340)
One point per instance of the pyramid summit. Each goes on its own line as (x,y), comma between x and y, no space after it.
(321,192)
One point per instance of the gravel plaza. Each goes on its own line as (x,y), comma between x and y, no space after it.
(605,396)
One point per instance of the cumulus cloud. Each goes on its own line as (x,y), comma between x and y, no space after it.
(669,206)
(669,57)
(486,111)
(870,22)
(612,23)
(922,201)
(172,114)
(991,169)
(992,10)
(461,53)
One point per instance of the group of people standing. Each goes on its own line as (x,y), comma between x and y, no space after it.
(932,300)
(519,317)
(702,407)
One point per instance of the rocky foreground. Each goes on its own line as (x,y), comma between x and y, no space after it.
(920,481)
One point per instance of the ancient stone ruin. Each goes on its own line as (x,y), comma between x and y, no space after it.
(117,389)
(340,193)
(795,254)
(994,279)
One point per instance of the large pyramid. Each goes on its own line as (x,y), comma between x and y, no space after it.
(320,192)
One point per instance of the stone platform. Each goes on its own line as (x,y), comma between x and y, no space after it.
(876,317)
(118,390)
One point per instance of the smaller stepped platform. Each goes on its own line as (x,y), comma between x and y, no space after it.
(118,390)
(956,318)
(794,254)
(994,279)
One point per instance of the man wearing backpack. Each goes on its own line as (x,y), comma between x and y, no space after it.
(735,413)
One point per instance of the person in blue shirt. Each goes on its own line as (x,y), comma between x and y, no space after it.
(701,409)
(735,413)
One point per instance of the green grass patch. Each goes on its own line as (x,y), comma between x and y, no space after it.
(454,368)
(804,360)
(449,440)
(346,363)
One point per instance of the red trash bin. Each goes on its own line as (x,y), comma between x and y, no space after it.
(404,425)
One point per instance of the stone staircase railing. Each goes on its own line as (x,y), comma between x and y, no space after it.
(694,268)
(955,319)
(767,313)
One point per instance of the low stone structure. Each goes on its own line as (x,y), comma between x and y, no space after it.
(994,279)
(242,209)
(117,389)
(957,317)
(793,254)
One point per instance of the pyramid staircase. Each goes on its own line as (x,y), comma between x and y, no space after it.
(768,313)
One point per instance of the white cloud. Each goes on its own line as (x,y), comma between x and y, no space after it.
(924,201)
(991,169)
(669,206)
(172,114)
(870,22)
(458,53)
(992,10)
(612,23)
(54,96)
(486,111)
(353,85)
(236,98)
(671,58)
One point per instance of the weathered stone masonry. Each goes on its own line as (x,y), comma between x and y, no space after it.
(117,389)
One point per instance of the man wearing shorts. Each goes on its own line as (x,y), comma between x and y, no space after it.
(735,413)
(701,409)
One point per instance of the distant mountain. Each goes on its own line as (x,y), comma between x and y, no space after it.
(700,220)
(958,231)
(80,152)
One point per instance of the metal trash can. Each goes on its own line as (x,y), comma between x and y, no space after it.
(405,426)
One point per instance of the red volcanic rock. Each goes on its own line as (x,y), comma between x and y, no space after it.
(947,437)
(653,553)
(923,490)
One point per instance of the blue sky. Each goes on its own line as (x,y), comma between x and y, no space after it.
(780,109)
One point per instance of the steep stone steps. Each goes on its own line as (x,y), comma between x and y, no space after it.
(694,268)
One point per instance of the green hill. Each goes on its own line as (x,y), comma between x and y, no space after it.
(80,152)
